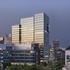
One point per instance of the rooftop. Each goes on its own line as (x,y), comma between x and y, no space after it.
(68,48)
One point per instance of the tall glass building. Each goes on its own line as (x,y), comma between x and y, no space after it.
(42,31)
(27,30)
(16,34)
(34,29)
(41,28)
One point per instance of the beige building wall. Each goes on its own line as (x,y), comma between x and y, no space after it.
(15,34)
(27,30)
(39,28)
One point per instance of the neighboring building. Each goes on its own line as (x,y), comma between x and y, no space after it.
(60,55)
(1,40)
(41,28)
(67,59)
(4,53)
(53,50)
(2,46)
(56,44)
(34,29)
(51,54)
(42,33)
(10,55)
(65,68)
(67,56)
(56,53)
(16,32)
(26,56)
(8,39)
(27,30)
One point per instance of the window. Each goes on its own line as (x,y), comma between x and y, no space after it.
(68,58)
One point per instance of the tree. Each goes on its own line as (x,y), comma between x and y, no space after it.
(26,67)
(56,65)
(15,67)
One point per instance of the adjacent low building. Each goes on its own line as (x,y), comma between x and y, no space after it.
(1,40)
(65,68)
(67,59)
(67,56)
(56,53)
(28,56)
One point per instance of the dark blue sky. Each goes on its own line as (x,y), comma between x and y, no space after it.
(58,11)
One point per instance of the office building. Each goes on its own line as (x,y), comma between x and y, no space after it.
(5,53)
(41,28)
(26,56)
(65,68)
(56,53)
(27,30)
(67,59)
(56,44)
(8,39)
(67,56)
(1,40)
(16,32)
(42,33)
(34,29)
(10,55)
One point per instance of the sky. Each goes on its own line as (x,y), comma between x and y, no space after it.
(11,11)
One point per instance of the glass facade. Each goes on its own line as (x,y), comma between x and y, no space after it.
(20,56)
(16,34)
(27,30)
(39,28)
(42,32)
(33,30)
